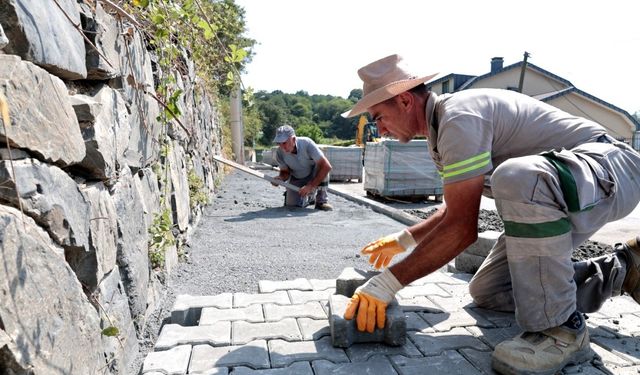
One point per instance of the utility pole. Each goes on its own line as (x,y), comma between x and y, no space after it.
(524,67)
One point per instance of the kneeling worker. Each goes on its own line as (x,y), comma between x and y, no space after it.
(302,164)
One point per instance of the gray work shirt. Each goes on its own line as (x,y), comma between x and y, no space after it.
(300,164)
(478,129)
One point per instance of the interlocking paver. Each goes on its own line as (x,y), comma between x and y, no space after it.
(344,332)
(364,352)
(187,308)
(481,360)
(494,336)
(286,329)
(452,303)
(251,313)
(351,278)
(443,278)
(437,342)
(415,322)
(174,334)
(461,318)
(205,357)
(378,366)
(171,362)
(312,310)
(420,303)
(422,290)
(286,332)
(245,299)
(615,307)
(627,348)
(300,296)
(268,286)
(298,368)
(313,329)
(322,284)
(284,353)
(449,362)
(498,318)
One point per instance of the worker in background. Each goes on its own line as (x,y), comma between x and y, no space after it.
(302,164)
(556,179)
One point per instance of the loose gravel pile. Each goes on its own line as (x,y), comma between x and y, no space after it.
(490,220)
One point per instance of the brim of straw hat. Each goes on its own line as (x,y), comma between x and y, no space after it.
(385,92)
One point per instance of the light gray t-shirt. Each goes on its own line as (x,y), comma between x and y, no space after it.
(478,129)
(302,162)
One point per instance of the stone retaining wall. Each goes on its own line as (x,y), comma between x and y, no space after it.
(79,185)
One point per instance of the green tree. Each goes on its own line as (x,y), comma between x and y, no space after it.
(312,131)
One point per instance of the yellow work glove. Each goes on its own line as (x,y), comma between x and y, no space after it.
(382,250)
(371,300)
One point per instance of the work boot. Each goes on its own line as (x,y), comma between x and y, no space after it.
(324,206)
(546,352)
(631,251)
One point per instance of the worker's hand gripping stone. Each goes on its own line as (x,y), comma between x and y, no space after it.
(371,299)
(382,250)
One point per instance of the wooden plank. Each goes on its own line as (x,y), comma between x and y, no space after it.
(255,173)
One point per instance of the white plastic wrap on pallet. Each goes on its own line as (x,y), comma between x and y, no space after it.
(346,162)
(269,156)
(400,169)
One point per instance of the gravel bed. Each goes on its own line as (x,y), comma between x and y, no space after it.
(490,220)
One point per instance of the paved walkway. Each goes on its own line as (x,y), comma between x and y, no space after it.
(284,330)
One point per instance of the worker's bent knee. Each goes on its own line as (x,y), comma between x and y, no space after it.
(516,179)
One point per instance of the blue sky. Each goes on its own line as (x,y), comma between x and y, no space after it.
(317,46)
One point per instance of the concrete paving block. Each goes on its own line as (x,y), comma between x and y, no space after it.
(245,299)
(284,353)
(378,366)
(469,263)
(435,343)
(350,279)
(422,290)
(312,310)
(251,313)
(453,303)
(322,284)
(484,243)
(441,277)
(449,362)
(187,309)
(415,322)
(173,335)
(367,352)
(626,347)
(462,318)
(205,357)
(298,368)
(286,329)
(499,319)
(313,329)
(171,362)
(420,303)
(344,332)
(302,296)
(481,360)
(494,336)
(212,371)
(268,286)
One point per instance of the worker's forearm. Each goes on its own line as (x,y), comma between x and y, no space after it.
(438,248)
(421,230)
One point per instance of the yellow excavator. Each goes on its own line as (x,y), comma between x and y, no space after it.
(367,131)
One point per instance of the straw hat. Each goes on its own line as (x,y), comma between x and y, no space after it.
(384,79)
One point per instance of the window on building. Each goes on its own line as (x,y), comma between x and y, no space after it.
(445,87)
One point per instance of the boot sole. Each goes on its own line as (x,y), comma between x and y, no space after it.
(575,359)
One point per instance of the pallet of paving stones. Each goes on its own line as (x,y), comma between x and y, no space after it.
(399,170)
(346,162)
